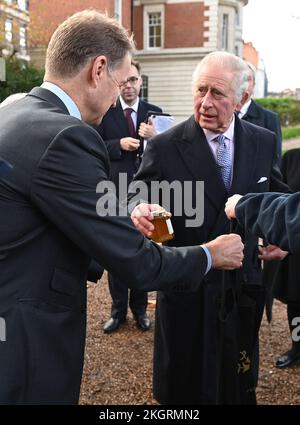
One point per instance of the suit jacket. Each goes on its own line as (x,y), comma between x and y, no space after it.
(5,168)
(265,118)
(49,231)
(273,216)
(285,277)
(112,129)
(185,330)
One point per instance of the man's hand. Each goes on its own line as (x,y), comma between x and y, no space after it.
(129,144)
(147,130)
(230,206)
(226,252)
(142,218)
(271,252)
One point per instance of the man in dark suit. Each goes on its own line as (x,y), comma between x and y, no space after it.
(186,323)
(52,220)
(120,134)
(272,216)
(252,112)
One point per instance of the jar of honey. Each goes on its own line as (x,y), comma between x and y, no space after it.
(163,230)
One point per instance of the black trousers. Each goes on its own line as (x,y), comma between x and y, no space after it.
(119,293)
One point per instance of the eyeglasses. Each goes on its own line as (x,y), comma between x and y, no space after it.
(131,80)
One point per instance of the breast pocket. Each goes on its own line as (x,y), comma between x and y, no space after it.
(261,184)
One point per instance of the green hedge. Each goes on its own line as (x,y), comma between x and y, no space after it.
(287,108)
(290,132)
(19,78)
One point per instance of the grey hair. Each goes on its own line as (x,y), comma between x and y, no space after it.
(82,37)
(229,62)
(251,71)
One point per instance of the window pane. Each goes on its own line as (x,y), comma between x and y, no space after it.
(154,29)
(22,4)
(8,30)
(225,32)
(144,88)
(22,36)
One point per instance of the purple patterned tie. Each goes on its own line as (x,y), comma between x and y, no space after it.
(224,160)
(130,124)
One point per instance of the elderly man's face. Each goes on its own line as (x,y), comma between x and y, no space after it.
(214,98)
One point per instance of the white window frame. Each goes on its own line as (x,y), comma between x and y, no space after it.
(153,9)
(225,32)
(118,10)
(22,5)
(22,37)
(8,31)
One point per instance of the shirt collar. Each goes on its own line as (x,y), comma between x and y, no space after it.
(64,97)
(134,106)
(229,133)
(244,108)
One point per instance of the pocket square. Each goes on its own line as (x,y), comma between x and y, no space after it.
(262,179)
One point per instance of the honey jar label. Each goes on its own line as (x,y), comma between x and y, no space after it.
(170,227)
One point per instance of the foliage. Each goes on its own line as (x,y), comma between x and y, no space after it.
(20,77)
(287,108)
(290,132)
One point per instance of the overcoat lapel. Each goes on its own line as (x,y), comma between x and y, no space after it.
(245,153)
(199,160)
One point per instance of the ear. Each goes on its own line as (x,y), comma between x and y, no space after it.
(98,69)
(245,98)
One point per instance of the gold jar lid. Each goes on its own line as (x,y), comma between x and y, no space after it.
(162,213)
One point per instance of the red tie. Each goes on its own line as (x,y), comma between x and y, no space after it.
(130,124)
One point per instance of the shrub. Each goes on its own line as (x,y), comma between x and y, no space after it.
(19,78)
(287,108)
(290,132)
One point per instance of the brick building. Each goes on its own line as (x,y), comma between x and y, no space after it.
(14,19)
(250,54)
(46,15)
(171,37)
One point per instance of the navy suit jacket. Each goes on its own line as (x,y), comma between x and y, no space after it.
(265,118)
(273,216)
(49,231)
(112,129)
(5,167)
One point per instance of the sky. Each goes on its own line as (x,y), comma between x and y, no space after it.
(273,26)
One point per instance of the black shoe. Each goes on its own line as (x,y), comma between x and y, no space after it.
(112,325)
(143,322)
(288,358)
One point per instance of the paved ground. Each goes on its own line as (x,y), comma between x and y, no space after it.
(291,144)
(118,367)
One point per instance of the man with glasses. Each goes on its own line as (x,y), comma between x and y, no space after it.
(120,130)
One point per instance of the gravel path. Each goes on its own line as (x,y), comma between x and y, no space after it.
(291,144)
(118,367)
